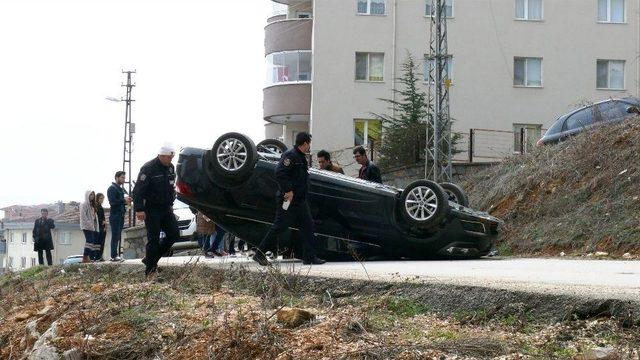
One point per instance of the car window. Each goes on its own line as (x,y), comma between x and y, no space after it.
(556,127)
(612,110)
(580,119)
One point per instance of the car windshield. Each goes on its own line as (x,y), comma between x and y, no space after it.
(556,127)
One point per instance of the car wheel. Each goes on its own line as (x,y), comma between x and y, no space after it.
(455,194)
(272,146)
(232,159)
(424,204)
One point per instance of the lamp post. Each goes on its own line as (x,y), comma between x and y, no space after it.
(129,130)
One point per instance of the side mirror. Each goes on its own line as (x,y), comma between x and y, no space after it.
(633,110)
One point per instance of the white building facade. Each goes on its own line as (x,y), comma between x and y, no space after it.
(514,63)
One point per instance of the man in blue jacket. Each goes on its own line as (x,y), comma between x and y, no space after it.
(117,201)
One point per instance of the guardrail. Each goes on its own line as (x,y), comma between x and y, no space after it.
(482,145)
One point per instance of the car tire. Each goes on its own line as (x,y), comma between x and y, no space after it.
(455,194)
(231,159)
(423,204)
(272,146)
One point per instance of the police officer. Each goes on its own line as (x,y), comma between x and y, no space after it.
(153,198)
(292,176)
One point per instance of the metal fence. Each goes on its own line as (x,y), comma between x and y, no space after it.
(486,145)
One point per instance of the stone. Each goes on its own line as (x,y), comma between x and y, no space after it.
(45,310)
(293,318)
(23,316)
(601,254)
(600,353)
(626,256)
(42,350)
(73,354)
(562,254)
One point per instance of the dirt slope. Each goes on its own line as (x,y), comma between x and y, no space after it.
(579,197)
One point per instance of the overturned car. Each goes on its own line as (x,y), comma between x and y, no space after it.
(234,184)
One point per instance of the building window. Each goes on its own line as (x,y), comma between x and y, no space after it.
(527,72)
(369,66)
(371,7)
(303,15)
(33,262)
(65,238)
(430,64)
(369,130)
(431,11)
(23,262)
(24,238)
(288,67)
(525,137)
(611,11)
(11,237)
(529,9)
(10,264)
(610,74)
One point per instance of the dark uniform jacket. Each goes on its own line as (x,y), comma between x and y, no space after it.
(370,172)
(115,195)
(155,188)
(292,174)
(42,239)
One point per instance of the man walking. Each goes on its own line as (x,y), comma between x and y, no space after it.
(153,198)
(292,176)
(324,160)
(42,239)
(369,171)
(117,202)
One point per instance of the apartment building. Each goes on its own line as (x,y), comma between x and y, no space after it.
(514,63)
(68,238)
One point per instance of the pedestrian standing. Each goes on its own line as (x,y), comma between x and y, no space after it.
(153,198)
(89,226)
(368,170)
(292,175)
(102,226)
(117,202)
(42,239)
(324,161)
(205,227)
(217,242)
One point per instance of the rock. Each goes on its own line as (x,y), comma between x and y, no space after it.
(31,333)
(562,254)
(294,317)
(73,354)
(601,254)
(23,316)
(626,256)
(600,353)
(46,310)
(42,350)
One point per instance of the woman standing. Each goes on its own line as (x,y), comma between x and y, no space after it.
(89,226)
(102,226)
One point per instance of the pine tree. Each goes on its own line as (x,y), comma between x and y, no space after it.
(404,133)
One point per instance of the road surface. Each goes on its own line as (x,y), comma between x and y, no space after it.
(611,279)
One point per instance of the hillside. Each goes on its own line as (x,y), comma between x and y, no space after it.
(579,197)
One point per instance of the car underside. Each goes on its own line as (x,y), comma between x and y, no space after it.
(234,184)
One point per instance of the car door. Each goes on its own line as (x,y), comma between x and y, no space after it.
(579,121)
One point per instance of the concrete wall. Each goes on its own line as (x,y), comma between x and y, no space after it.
(484,37)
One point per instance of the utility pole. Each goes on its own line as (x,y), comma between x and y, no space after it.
(129,130)
(438,145)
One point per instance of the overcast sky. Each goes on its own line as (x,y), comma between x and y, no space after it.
(200,74)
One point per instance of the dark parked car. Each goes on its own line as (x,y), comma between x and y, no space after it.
(602,113)
(234,184)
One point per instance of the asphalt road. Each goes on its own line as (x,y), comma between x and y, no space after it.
(611,279)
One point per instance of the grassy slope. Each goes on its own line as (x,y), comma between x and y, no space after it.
(579,196)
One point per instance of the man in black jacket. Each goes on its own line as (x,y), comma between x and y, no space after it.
(153,198)
(292,175)
(369,171)
(42,239)
(117,202)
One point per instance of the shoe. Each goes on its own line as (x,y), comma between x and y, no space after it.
(260,259)
(119,259)
(313,261)
(85,259)
(209,254)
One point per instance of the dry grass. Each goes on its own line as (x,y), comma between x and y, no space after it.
(579,196)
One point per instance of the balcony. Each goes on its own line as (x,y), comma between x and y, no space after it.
(285,103)
(288,35)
